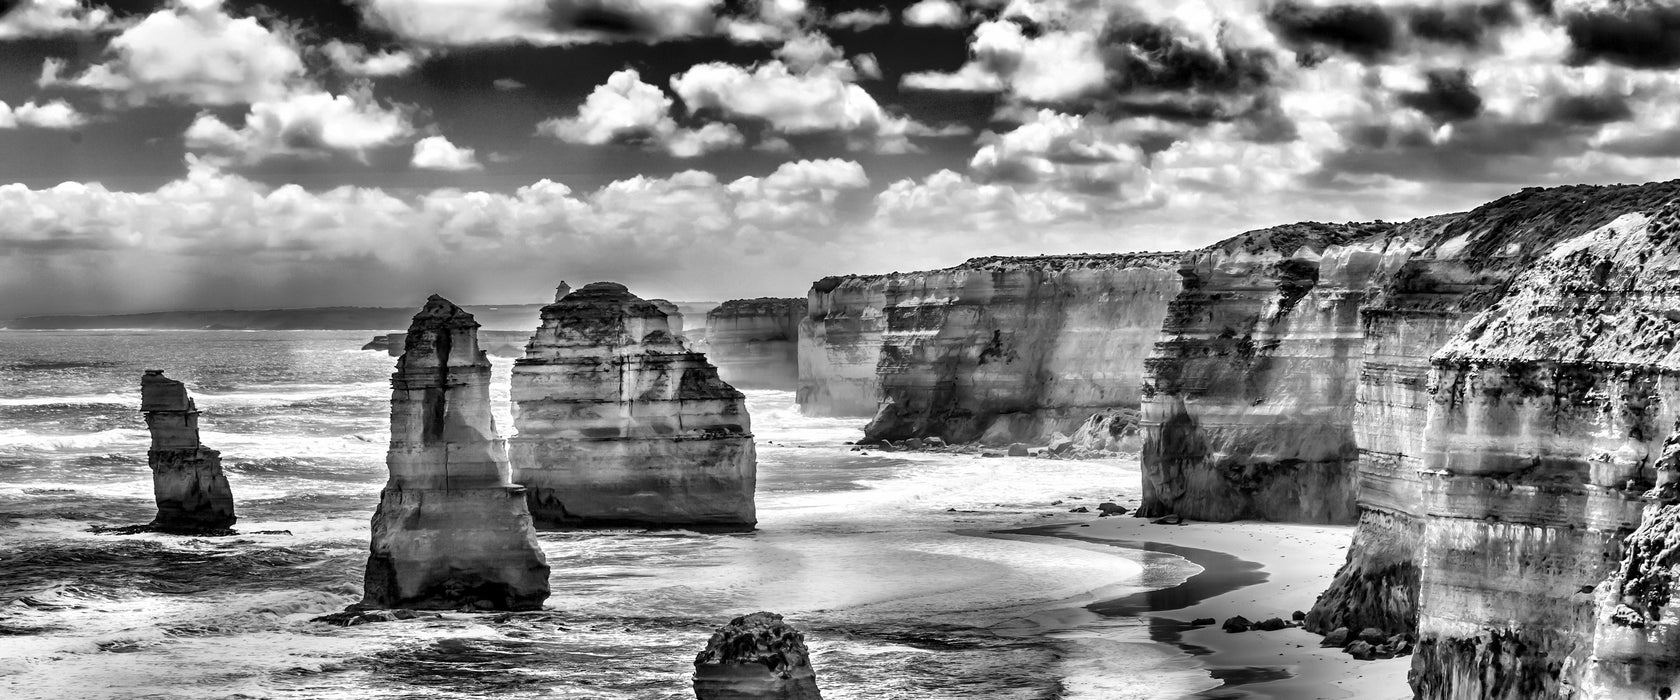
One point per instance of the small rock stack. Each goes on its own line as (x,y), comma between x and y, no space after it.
(452,530)
(192,493)
(755,657)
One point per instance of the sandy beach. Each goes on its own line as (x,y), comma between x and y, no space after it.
(1254,569)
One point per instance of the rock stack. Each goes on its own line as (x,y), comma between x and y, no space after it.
(192,493)
(452,530)
(755,657)
(619,424)
(755,342)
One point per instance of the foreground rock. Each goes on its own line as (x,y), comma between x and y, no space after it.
(755,342)
(452,530)
(192,493)
(998,350)
(755,657)
(619,424)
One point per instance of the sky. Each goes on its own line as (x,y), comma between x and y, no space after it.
(201,154)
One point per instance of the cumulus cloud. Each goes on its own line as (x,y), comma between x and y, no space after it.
(935,13)
(1055,66)
(56,114)
(24,19)
(860,20)
(626,110)
(195,52)
(437,153)
(539,22)
(300,125)
(356,61)
(820,100)
(767,21)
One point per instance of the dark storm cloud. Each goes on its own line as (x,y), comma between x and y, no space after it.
(1628,33)
(1464,25)
(1372,33)
(1147,55)
(1449,97)
(1590,109)
(1360,30)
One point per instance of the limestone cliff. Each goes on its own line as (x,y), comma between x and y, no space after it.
(192,493)
(1516,390)
(755,342)
(995,349)
(619,424)
(755,657)
(451,530)
(1248,397)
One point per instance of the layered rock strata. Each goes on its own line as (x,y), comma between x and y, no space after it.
(620,424)
(755,657)
(1517,389)
(192,493)
(451,530)
(1249,395)
(755,342)
(999,350)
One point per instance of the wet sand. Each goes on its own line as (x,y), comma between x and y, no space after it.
(1257,570)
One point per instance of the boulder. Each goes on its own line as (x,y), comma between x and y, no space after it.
(1372,635)
(1361,649)
(1109,508)
(1337,638)
(1060,444)
(755,657)
(1018,450)
(1203,621)
(1271,624)
(1237,624)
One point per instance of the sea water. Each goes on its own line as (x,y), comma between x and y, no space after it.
(884,560)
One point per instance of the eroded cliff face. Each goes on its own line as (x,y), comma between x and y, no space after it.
(192,492)
(1249,395)
(451,530)
(619,424)
(996,349)
(1517,389)
(755,342)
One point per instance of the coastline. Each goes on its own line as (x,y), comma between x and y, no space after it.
(1257,570)
(1249,568)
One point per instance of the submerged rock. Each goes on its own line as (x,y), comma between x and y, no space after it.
(192,492)
(452,530)
(755,657)
(620,424)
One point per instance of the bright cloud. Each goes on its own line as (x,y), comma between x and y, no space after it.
(935,13)
(44,18)
(56,114)
(627,110)
(437,153)
(302,125)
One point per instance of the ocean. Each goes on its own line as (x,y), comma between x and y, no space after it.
(886,561)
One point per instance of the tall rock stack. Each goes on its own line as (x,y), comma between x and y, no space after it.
(192,493)
(755,657)
(452,530)
(620,424)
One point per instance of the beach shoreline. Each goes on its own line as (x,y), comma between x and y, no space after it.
(1254,569)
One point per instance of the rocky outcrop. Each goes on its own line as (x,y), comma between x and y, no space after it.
(1249,395)
(999,350)
(620,424)
(755,657)
(1108,431)
(755,342)
(192,493)
(451,530)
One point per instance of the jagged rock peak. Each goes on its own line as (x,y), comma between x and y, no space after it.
(561,290)
(755,656)
(440,312)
